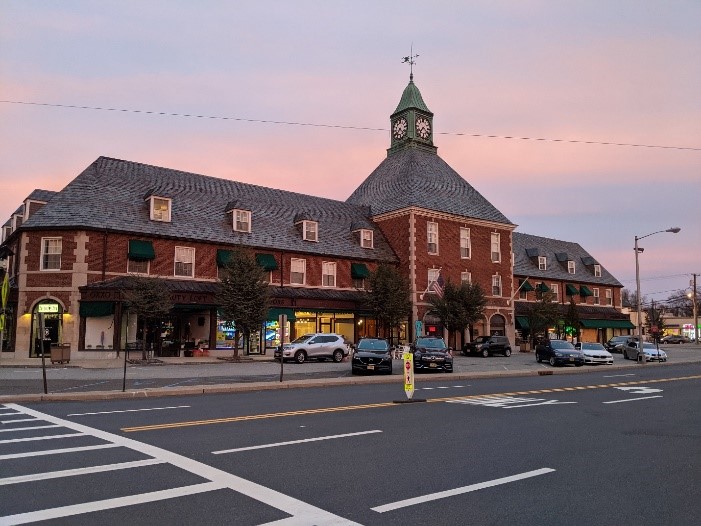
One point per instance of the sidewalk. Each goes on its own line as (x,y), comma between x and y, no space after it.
(118,362)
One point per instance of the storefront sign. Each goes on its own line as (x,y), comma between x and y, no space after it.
(47,307)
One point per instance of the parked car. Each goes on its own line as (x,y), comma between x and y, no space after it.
(432,354)
(372,355)
(594,353)
(558,352)
(674,338)
(616,343)
(488,345)
(318,345)
(652,353)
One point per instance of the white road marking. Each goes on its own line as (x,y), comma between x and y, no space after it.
(291,442)
(640,390)
(301,512)
(78,471)
(631,399)
(55,452)
(32,439)
(18,420)
(617,375)
(547,402)
(130,410)
(459,491)
(506,402)
(25,428)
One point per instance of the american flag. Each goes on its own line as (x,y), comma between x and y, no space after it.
(437,285)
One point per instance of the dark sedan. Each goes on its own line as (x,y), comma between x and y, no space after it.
(372,355)
(432,354)
(558,352)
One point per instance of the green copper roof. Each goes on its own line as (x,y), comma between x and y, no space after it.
(411,98)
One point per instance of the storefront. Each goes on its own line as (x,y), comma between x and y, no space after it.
(46,327)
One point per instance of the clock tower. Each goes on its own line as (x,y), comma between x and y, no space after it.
(411,124)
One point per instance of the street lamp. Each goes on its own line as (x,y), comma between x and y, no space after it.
(674,230)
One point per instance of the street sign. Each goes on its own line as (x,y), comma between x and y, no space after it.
(408,374)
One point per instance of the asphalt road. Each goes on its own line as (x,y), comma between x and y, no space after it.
(608,447)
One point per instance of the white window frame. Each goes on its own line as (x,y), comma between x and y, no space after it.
(570,266)
(298,267)
(496,247)
(465,243)
(158,214)
(466,277)
(359,283)
(522,294)
(595,295)
(131,262)
(432,237)
(597,271)
(366,238)
(50,248)
(555,289)
(328,274)
(184,256)
(496,285)
(310,231)
(242,220)
(433,274)
(609,296)
(542,263)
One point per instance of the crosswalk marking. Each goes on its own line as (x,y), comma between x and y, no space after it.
(33,439)
(78,471)
(56,451)
(26,428)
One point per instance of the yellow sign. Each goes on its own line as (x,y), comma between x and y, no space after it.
(5,291)
(408,374)
(47,307)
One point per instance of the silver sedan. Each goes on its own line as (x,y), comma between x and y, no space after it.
(594,353)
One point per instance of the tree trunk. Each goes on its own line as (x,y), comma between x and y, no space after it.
(236,343)
(144,343)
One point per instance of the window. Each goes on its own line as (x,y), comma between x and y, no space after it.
(466,277)
(609,297)
(542,263)
(366,240)
(465,247)
(555,289)
(596,296)
(51,253)
(433,274)
(432,234)
(496,284)
(242,220)
(522,294)
(496,248)
(298,270)
(160,209)
(359,283)
(137,267)
(328,274)
(309,231)
(597,271)
(184,262)
(570,267)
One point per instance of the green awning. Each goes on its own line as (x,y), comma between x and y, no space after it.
(267,261)
(607,324)
(96,309)
(274,313)
(542,287)
(571,290)
(525,286)
(359,271)
(584,291)
(522,323)
(223,257)
(141,250)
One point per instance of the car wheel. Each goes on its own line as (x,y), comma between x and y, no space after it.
(300,357)
(625,356)
(507,352)
(578,364)
(538,358)
(552,361)
(485,353)
(338,355)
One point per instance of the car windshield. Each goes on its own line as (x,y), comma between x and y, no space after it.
(372,345)
(592,346)
(560,344)
(431,343)
(648,345)
(482,339)
(303,339)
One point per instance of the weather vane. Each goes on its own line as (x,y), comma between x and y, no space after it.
(411,60)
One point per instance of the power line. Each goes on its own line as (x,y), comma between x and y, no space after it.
(342,127)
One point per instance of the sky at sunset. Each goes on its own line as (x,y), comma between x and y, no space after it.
(300,94)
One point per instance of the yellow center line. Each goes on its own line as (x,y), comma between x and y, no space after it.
(246,418)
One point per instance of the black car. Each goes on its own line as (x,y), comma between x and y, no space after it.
(674,338)
(616,343)
(372,355)
(558,352)
(488,345)
(432,354)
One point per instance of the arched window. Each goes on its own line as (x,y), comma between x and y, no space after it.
(497,325)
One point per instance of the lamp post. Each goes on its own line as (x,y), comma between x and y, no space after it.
(674,230)
(692,296)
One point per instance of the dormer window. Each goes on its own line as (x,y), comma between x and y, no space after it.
(597,271)
(366,238)
(310,230)
(160,209)
(570,267)
(542,263)
(242,220)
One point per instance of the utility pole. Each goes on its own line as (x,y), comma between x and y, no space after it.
(696,312)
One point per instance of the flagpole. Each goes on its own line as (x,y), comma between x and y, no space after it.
(421,298)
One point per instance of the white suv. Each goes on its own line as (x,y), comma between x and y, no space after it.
(317,345)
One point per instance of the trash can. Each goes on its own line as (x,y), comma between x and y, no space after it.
(61,353)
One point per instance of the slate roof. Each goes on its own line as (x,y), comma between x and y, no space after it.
(41,195)
(550,249)
(420,178)
(109,194)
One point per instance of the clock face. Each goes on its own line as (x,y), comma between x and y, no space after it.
(423,128)
(399,129)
